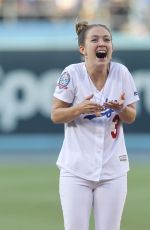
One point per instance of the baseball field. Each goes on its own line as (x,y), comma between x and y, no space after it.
(29,198)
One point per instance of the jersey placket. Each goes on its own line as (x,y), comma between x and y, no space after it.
(100,132)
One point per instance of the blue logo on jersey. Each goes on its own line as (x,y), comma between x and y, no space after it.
(90,116)
(107,112)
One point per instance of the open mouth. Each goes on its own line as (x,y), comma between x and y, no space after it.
(101,54)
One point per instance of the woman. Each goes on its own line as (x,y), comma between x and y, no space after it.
(93,98)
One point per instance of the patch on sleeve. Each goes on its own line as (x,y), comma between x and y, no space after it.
(123,158)
(64,80)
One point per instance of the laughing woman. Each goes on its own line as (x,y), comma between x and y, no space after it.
(93,99)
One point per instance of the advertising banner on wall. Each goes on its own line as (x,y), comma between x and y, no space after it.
(28,79)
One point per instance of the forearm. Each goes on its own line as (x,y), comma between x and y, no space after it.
(64,115)
(128,115)
(63,112)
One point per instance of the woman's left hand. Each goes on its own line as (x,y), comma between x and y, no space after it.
(116,105)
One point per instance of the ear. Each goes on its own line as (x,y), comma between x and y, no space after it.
(82,50)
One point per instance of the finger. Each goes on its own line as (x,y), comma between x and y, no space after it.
(95,107)
(122,96)
(107,104)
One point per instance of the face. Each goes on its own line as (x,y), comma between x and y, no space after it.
(98,46)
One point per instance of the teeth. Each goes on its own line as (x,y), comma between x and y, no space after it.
(101,51)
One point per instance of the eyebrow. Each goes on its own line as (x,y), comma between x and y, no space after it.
(97,36)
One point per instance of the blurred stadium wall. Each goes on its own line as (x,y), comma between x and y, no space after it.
(32,56)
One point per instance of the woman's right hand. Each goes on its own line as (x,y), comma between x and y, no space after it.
(89,107)
(63,112)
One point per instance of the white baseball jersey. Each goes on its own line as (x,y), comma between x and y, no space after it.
(94,147)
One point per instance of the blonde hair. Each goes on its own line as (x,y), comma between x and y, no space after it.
(81,26)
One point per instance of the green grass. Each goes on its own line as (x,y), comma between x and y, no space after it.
(29,199)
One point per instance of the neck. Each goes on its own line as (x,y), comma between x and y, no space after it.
(98,75)
(98,72)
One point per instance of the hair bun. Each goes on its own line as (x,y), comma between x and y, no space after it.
(81,26)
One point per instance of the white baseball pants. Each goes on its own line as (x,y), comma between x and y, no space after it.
(78,196)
